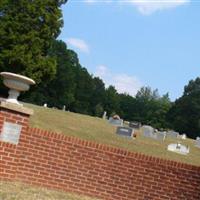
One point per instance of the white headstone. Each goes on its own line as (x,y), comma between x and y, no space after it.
(183,136)
(104,115)
(45,105)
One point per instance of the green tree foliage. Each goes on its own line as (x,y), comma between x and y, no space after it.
(27,30)
(185,113)
(146,94)
(151,108)
(112,101)
(98,97)
(60,90)
(128,107)
(83,91)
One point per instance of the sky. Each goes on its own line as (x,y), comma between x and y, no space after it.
(130,44)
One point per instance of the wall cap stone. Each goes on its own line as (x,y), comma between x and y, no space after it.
(16,107)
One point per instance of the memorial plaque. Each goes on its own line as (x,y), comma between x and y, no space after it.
(125,131)
(135,125)
(10,133)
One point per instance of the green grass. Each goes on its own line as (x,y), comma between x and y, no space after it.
(19,191)
(99,130)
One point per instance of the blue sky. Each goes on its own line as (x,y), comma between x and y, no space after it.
(130,44)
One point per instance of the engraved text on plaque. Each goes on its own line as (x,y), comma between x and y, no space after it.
(10,133)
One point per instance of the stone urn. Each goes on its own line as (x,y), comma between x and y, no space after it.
(16,83)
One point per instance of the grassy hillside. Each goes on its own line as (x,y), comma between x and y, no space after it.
(19,191)
(99,130)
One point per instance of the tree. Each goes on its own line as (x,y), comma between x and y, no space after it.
(83,91)
(128,107)
(152,108)
(27,31)
(59,91)
(185,113)
(112,104)
(98,97)
(146,94)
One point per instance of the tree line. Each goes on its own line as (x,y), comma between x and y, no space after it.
(29,46)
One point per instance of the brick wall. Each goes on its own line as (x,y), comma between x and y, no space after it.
(56,161)
(8,152)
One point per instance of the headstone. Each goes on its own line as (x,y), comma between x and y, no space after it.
(183,136)
(135,125)
(116,122)
(45,105)
(197,142)
(10,133)
(172,134)
(125,131)
(160,136)
(148,131)
(126,123)
(178,148)
(104,115)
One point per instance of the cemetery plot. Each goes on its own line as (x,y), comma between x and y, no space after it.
(178,148)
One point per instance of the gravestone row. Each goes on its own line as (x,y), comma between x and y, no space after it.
(149,132)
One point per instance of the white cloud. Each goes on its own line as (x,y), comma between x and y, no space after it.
(126,83)
(102,71)
(98,1)
(79,44)
(148,7)
(122,82)
(90,1)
